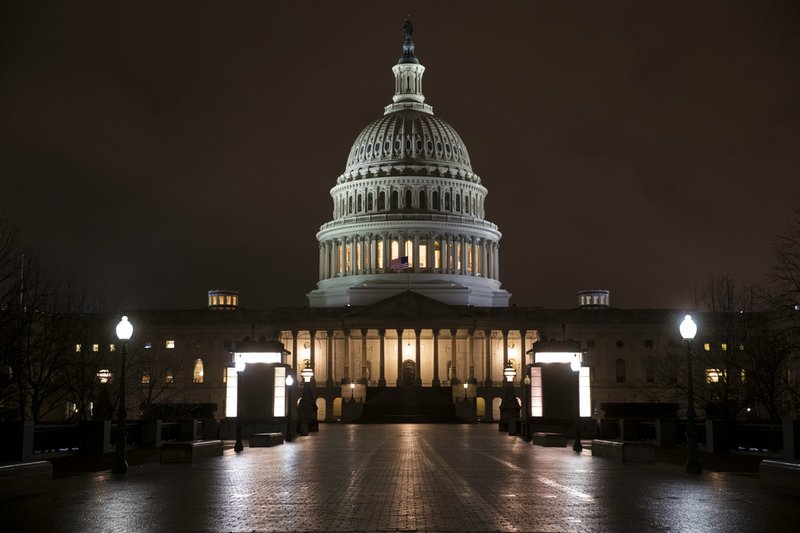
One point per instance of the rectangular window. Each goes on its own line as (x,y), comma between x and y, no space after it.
(95,347)
(409,252)
(714,375)
(169,344)
(111,347)
(148,345)
(145,378)
(437,255)
(380,253)
(395,250)
(279,405)
(458,256)
(231,392)
(584,392)
(536,391)
(340,262)
(707,347)
(78,347)
(423,254)
(724,346)
(347,258)
(469,258)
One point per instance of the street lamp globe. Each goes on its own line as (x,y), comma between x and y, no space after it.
(510,372)
(124,329)
(688,328)
(307,372)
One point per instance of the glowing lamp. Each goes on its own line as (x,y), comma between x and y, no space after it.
(124,329)
(509,372)
(289,380)
(307,372)
(688,328)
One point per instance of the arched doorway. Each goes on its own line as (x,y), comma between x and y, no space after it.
(409,373)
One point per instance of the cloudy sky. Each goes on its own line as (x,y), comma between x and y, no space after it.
(160,149)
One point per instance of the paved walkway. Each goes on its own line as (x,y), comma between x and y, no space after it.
(405,477)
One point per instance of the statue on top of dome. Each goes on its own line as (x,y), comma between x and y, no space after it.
(408,45)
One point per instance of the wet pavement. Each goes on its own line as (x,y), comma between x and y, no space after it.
(406,478)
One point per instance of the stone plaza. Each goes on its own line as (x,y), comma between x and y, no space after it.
(404,477)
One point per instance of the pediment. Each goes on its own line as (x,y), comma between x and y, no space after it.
(407,307)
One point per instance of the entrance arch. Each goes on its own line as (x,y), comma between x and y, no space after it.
(409,373)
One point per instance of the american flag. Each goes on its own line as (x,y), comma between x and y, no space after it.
(399,263)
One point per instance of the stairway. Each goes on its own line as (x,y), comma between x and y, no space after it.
(418,405)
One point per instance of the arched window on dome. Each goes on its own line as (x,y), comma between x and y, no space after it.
(408,251)
(350,205)
(409,199)
(395,200)
(447,201)
(381,201)
(423,200)
(369,202)
(458,203)
(436,200)
(466,204)
(360,204)
(395,250)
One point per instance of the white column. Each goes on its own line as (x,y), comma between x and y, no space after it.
(416,257)
(431,252)
(474,256)
(484,266)
(463,241)
(497,261)
(445,250)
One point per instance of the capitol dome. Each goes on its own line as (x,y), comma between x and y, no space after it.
(408,211)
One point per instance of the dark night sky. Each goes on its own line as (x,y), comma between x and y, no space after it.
(161,149)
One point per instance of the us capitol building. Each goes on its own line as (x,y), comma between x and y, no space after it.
(408,317)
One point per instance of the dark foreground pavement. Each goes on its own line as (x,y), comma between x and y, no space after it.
(404,477)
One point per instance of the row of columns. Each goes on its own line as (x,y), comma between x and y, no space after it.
(370,254)
(361,374)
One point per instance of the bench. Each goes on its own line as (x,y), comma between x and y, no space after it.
(23,479)
(780,476)
(541,438)
(265,440)
(624,451)
(190,452)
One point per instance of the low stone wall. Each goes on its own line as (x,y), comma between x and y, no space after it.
(626,452)
(780,476)
(22,479)
(266,440)
(558,440)
(190,452)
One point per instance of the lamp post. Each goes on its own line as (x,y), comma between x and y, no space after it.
(289,408)
(306,399)
(526,402)
(352,391)
(124,333)
(466,386)
(575,366)
(509,408)
(688,330)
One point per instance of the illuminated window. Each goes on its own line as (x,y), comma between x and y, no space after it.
(714,375)
(458,255)
(169,377)
(169,344)
(197,374)
(95,347)
(78,347)
(469,258)
(437,255)
(145,378)
(395,251)
(724,346)
(111,347)
(380,253)
(228,300)
(741,347)
(423,254)
(409,252)
(235,300)
(707,347)
(148,345)
(742,375)
(279,402)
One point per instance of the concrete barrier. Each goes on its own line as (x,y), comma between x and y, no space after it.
(780,476)
(541,438)
(190,452)
(23,479)
(265,440)
(626,452)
